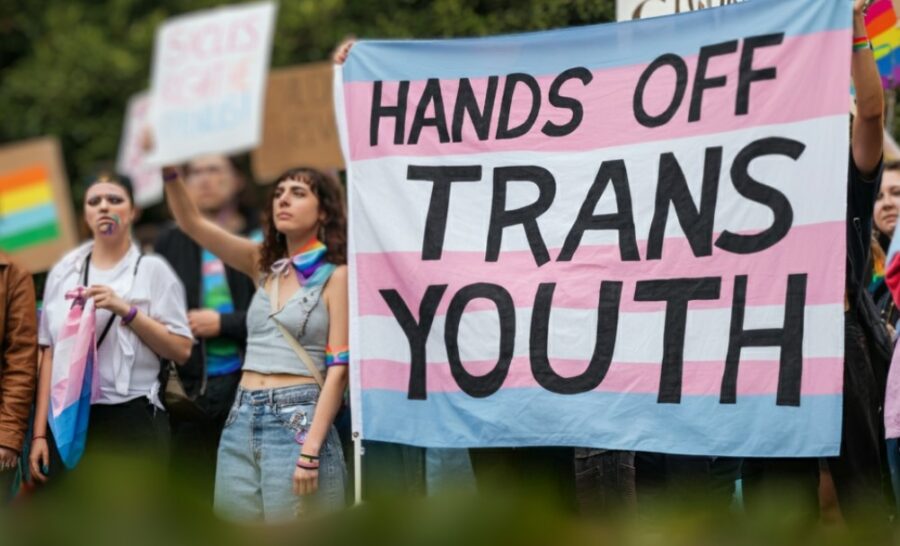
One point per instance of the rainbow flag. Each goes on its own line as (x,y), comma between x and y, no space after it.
(27,212)
(881,25)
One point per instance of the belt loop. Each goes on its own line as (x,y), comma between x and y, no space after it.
(271,393)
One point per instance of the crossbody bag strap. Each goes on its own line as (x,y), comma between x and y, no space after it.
(291,340)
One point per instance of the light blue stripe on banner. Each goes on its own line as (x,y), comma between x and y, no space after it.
(27,219)
(595,46)
(754,427)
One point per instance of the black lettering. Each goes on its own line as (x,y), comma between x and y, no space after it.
(431,95)
(789,338)
(676,293)
(762,194)
(622,220)
(526,216)
(484,385)
(559,101)
(504,131)
(607,327)
(673,188)
(467,104)
(681,80)
(701,82)
(416,333)
(748,75)
(438,208)
(380,111)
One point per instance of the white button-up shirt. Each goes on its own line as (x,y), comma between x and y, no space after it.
(128,368)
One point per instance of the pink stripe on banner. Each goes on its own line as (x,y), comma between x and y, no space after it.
(803,90)
(806,249)
(820,376)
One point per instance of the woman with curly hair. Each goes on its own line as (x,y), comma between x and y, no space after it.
(279,454)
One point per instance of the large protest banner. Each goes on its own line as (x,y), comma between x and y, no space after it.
(208,81)
(146,179)
(37,225)
(299,128)
(628,236)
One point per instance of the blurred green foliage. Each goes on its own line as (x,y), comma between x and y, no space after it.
(68,67)
(113,500)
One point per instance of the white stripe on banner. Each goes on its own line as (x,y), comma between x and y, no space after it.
(382,194)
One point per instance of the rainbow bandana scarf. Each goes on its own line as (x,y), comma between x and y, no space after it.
(309,264)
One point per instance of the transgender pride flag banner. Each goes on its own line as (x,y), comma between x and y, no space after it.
(625,236)
(74,383)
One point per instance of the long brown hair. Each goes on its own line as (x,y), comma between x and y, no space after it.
(333,232)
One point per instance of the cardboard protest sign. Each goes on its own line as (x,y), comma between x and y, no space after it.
(603,236)
(208,82)
(132,161)
(299,127)
(627,10)
(37,225)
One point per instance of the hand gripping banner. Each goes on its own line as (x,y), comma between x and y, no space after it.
(627,236)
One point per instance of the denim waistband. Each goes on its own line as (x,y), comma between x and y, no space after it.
(295,394)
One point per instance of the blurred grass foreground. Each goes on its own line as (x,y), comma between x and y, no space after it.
(113,500)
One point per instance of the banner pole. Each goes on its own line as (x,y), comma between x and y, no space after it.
(357,469)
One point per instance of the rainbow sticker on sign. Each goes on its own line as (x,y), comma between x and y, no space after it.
(27,212)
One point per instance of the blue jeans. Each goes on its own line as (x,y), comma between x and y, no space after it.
(258,454)
(448,470)
(893,458)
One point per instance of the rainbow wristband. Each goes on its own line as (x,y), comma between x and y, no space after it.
(861,43)
(337,356)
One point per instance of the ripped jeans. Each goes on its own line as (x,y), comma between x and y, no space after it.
(258,453)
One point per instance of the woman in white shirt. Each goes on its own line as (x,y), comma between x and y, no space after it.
(141,301)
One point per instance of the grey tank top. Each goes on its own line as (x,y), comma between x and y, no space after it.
(304,315)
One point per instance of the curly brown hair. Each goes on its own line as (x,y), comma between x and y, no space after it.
(334,229)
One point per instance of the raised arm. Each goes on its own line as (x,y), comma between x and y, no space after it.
(868,125)
(238,252)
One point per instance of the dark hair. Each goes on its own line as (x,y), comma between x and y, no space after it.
(111,177)
(892,165)
(334,228)
(236,164)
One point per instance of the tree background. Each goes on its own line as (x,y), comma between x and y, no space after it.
(68,67)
